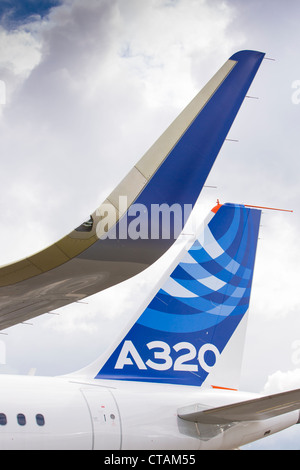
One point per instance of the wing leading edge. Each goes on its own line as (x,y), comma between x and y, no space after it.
(173,171)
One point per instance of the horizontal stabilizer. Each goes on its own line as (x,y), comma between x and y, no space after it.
(251,410)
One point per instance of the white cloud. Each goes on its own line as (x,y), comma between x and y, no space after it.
(90,81)
(19,51)
(276,285)
(168,43)
(282,381)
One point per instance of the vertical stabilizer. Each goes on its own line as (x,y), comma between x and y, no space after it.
(195,312)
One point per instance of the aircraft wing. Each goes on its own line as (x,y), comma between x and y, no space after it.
(173,171)
(251,410)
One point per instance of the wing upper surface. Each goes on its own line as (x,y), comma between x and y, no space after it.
(251,410)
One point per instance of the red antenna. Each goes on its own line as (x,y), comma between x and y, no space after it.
(269,208)
(215,209)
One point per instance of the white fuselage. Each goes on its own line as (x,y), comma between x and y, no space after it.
(66,413)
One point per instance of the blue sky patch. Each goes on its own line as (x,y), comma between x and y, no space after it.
(17,12)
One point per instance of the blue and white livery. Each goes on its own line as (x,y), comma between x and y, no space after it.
(181,334)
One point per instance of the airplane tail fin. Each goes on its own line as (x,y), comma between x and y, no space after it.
(195,310)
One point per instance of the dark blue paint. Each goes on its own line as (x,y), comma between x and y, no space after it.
(17,12)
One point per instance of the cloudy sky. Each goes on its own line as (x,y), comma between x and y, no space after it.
(89,86)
